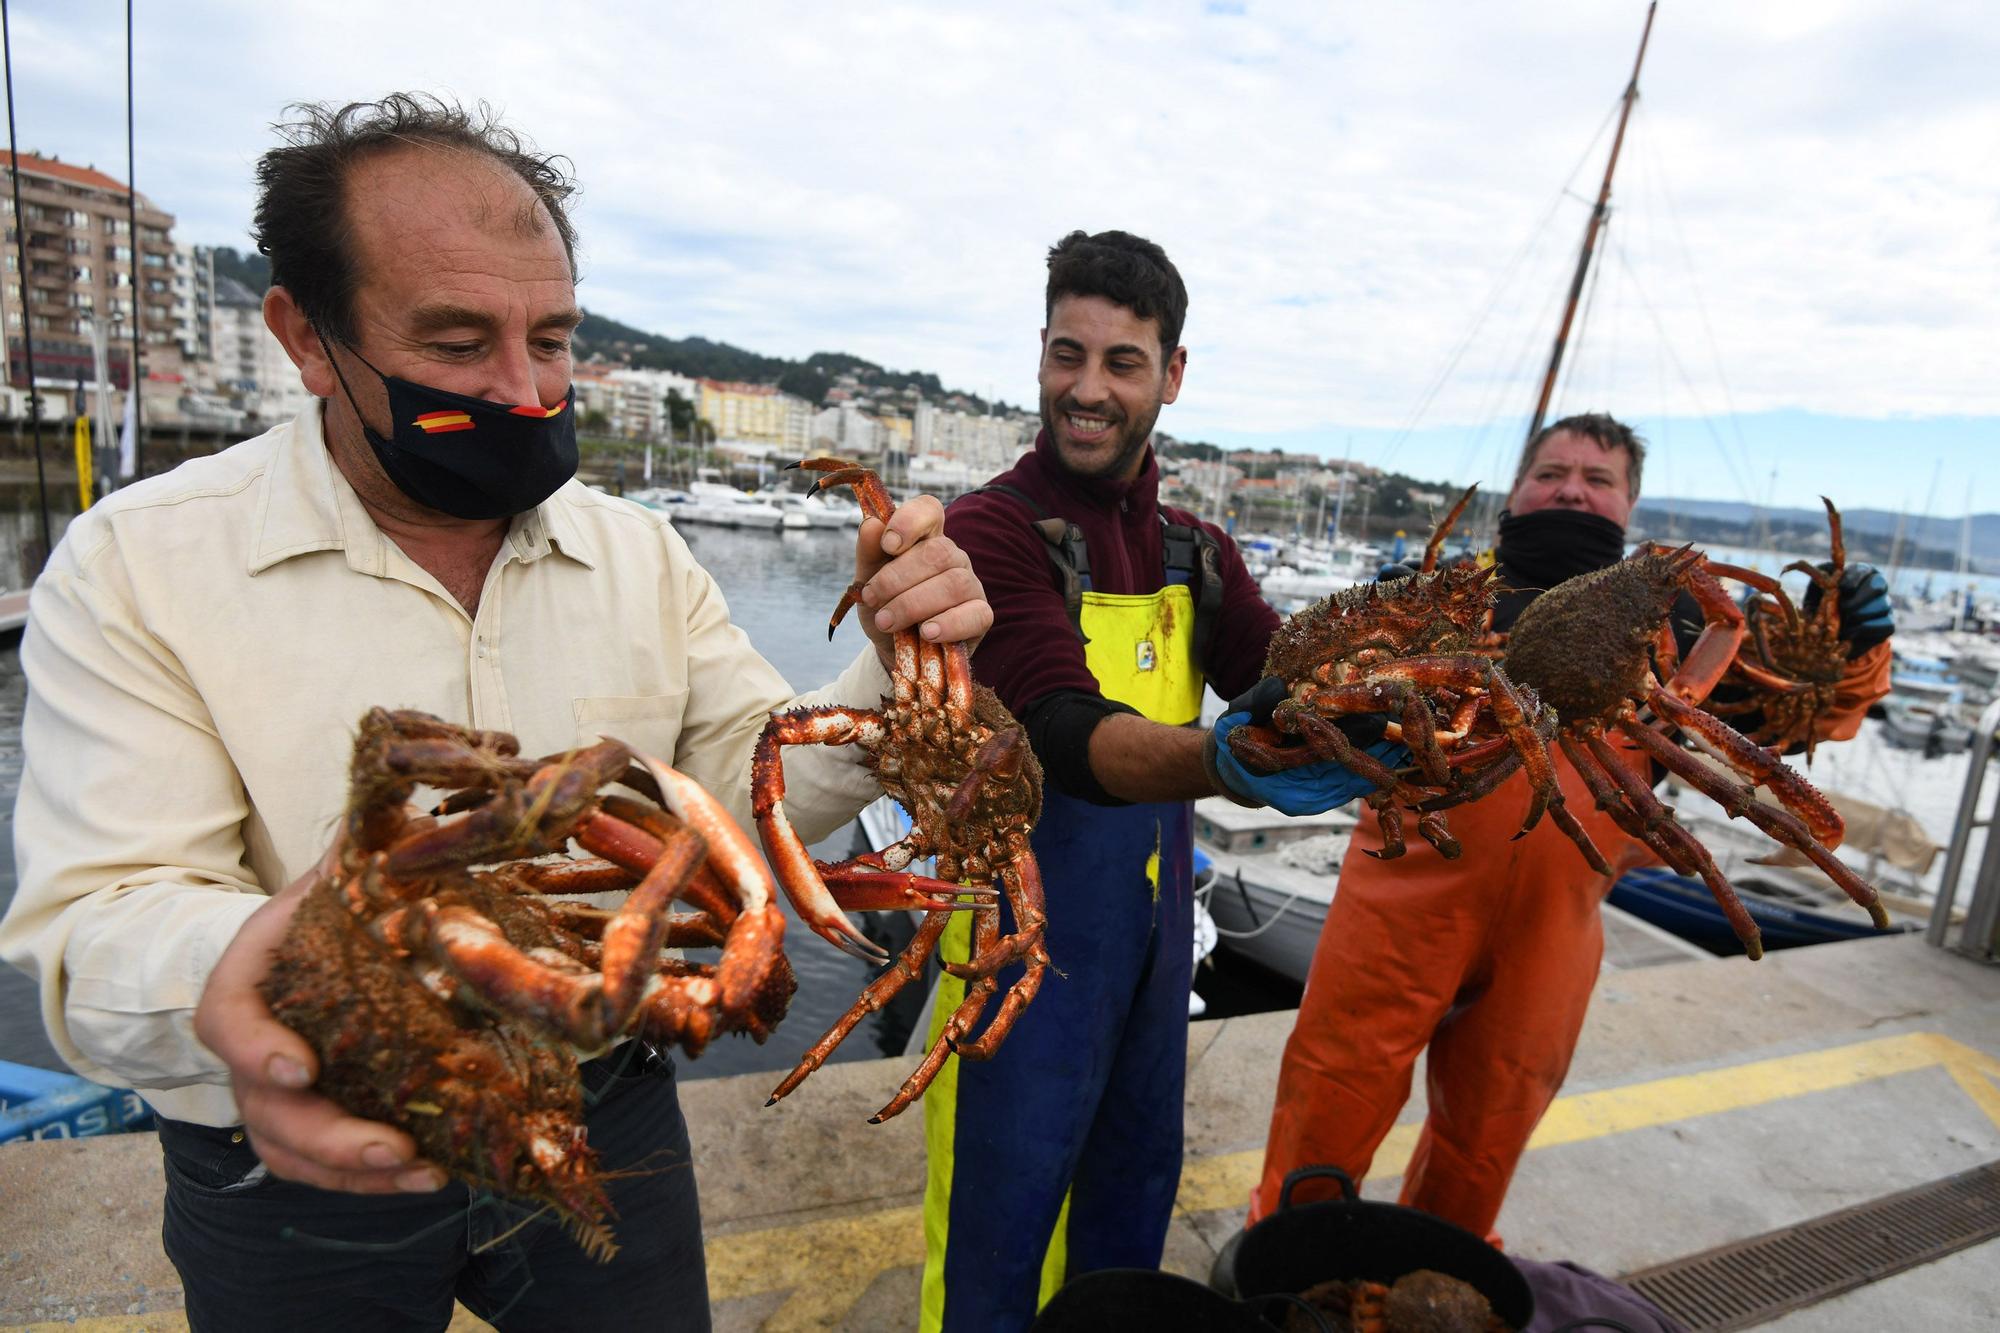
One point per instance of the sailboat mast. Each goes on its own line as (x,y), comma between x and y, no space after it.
(1596,224)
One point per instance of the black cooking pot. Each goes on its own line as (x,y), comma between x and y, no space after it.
(1350,1239)
(1159,1303)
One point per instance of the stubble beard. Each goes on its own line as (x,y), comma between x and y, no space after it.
(1132,437)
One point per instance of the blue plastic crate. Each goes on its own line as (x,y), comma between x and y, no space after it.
(42,1104)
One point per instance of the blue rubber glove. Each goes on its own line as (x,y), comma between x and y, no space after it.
(1390,573)
(1865,615)
(1309,789)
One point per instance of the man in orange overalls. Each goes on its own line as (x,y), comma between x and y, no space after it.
(1490,959)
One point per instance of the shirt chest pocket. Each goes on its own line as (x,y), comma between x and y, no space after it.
(648,723)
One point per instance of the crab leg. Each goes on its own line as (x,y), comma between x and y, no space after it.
(1024,896)
(830,725)
(540,990)
(1740,800)
(633,936)
(758,935)
(596,875)
(684,930)
(860,888)
(908,967)
(628,833)
(1605,778)
(1721,634)
(985,926)
(1756,763)
(1438,534)
(1658,829)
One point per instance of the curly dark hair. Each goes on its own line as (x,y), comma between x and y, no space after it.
(1122,268)
(1607,430)
(302,223)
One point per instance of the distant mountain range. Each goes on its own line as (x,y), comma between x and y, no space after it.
(1870,533)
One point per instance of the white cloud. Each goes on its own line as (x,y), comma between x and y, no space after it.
(1342,186)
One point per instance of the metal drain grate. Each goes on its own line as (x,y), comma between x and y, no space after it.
(1750,1281)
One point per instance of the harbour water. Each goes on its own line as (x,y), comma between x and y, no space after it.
(780,588)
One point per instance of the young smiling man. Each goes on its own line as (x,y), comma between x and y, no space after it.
(1110,612)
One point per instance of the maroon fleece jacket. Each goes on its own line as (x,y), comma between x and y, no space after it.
(1032,652)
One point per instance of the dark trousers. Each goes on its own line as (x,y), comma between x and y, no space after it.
(258,1253)
(1083,1101)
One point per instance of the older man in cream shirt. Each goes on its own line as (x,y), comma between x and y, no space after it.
(201,646)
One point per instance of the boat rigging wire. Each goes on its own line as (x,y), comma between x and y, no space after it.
(1494,294)
(21,249)
(1687,383)
(138,299)
(1648,153)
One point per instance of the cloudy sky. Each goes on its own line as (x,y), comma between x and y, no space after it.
(1376,207)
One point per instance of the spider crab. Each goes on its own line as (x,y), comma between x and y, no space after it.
(1799,656)
(952,756)
(447,993)
(1596,647)
(1410,648)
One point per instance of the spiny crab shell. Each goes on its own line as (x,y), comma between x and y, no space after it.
(1441,612)
(1582,645)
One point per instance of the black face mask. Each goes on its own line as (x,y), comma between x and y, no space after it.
(1542,549)
(468,457)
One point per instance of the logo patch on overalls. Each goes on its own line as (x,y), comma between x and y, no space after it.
(1147,658)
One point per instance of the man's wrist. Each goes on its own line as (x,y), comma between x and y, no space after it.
(1209,746)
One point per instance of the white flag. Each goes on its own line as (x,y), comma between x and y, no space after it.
(128,437)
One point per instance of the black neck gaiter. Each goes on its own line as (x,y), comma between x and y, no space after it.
(1541,549)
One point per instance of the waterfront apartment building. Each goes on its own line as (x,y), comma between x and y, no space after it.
(988,443)
(83,265)
(628,402)
(847,430)
(250,367)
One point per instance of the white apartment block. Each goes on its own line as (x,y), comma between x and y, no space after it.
(193,291)
(982,443)
(846,430)
(248,361)
(642,401)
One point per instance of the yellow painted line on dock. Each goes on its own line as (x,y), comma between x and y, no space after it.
(825,1265)
(1225,1181)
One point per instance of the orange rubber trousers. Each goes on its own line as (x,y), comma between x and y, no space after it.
(1490,961)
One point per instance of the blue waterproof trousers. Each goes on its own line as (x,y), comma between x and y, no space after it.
(1062,1154)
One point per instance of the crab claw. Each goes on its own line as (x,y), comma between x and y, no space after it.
(859,888)
(733,859)
(790,861)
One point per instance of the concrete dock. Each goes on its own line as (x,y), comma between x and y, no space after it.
(1709,1101)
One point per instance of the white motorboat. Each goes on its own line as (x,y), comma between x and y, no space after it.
(675,504)
(1285,583)
(801,510)
(1929,707)
(725,506)
(1270,881)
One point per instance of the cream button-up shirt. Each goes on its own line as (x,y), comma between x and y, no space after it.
(198,653)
